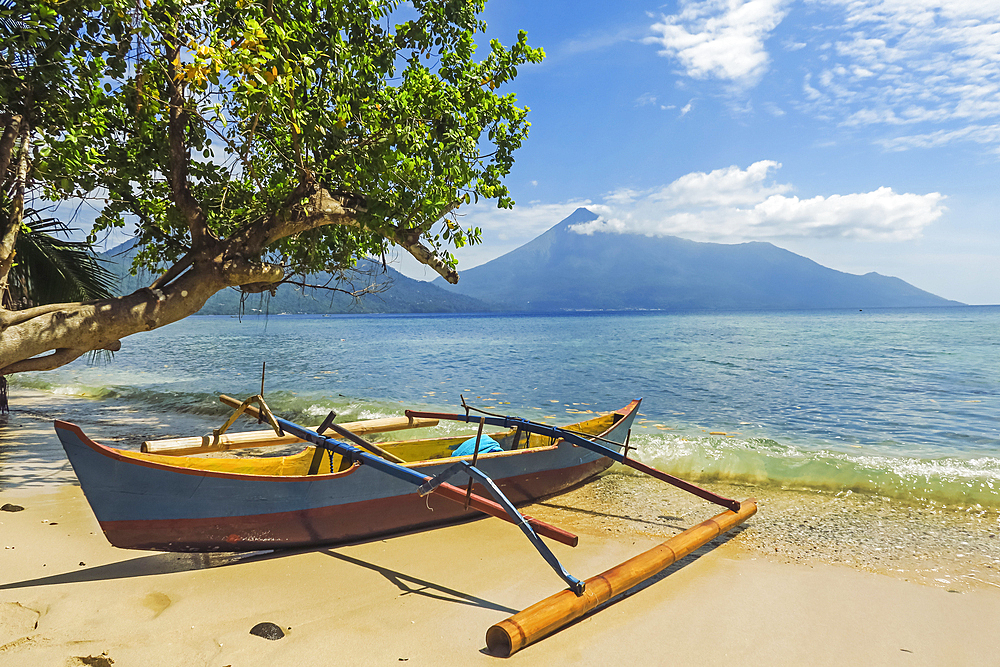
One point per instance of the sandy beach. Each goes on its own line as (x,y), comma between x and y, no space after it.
(68,598)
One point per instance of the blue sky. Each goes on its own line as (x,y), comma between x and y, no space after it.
(862,134)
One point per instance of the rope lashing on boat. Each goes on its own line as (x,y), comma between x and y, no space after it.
(263,412)
(318,454)
(322,429)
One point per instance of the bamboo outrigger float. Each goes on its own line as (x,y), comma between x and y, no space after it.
(557,611)
(338,491)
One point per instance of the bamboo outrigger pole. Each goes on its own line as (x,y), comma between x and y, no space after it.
(559,610)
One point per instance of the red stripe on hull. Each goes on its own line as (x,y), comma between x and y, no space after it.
(335,524)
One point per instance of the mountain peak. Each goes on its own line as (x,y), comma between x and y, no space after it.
(560,270)
(577,217)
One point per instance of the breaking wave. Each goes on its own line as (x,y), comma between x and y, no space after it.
(949,480)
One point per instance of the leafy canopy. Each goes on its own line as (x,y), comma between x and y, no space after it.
(378,102)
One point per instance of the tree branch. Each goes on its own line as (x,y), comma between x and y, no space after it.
(172,273)
(424,255)
(325,209)
(179,156)
(60,357)
(266,230)
(72,329)
(11,317)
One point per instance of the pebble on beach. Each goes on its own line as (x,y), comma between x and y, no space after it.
(267,631)
(11,508)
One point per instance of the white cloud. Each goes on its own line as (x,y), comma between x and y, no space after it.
(684,111)
(733,204)
(899,63)
(981,134)
(722,39)
(596,41)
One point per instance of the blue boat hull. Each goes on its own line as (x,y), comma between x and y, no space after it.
(146,504)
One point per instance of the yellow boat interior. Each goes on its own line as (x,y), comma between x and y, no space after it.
(414,453)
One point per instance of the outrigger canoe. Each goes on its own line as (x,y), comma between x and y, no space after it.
(145,500)
(316,496)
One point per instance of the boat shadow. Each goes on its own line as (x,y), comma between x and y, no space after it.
(170,563)
(144,566)
(422,587)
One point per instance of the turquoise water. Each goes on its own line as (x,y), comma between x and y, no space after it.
(902,403)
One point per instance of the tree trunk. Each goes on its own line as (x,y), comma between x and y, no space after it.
(12,225)
(67,331)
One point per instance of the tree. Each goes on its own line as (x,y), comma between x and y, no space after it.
(247,142)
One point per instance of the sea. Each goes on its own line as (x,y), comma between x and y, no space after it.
(871,437)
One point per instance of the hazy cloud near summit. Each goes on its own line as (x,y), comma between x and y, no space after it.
(728,205)
(733,205)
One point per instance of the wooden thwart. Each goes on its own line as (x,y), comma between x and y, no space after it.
(559,610)
(196,445)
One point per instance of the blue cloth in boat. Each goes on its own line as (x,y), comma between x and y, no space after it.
(487,445)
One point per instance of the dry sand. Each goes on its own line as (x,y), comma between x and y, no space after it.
(68,598)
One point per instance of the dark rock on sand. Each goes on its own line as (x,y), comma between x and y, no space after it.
(267,631)
(11,508)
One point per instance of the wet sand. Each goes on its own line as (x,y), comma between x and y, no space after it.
(68,598)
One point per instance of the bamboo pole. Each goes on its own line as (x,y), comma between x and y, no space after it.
(559,610)
(201,444)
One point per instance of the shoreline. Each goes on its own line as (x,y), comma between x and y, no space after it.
(780,590)
(933,544)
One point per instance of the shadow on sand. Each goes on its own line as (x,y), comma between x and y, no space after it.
(169,563)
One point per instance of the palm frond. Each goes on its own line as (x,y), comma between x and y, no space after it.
(52,270)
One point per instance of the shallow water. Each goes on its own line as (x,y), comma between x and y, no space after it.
(902,403)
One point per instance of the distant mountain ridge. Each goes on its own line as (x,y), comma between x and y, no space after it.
(564,270)
(402,295)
